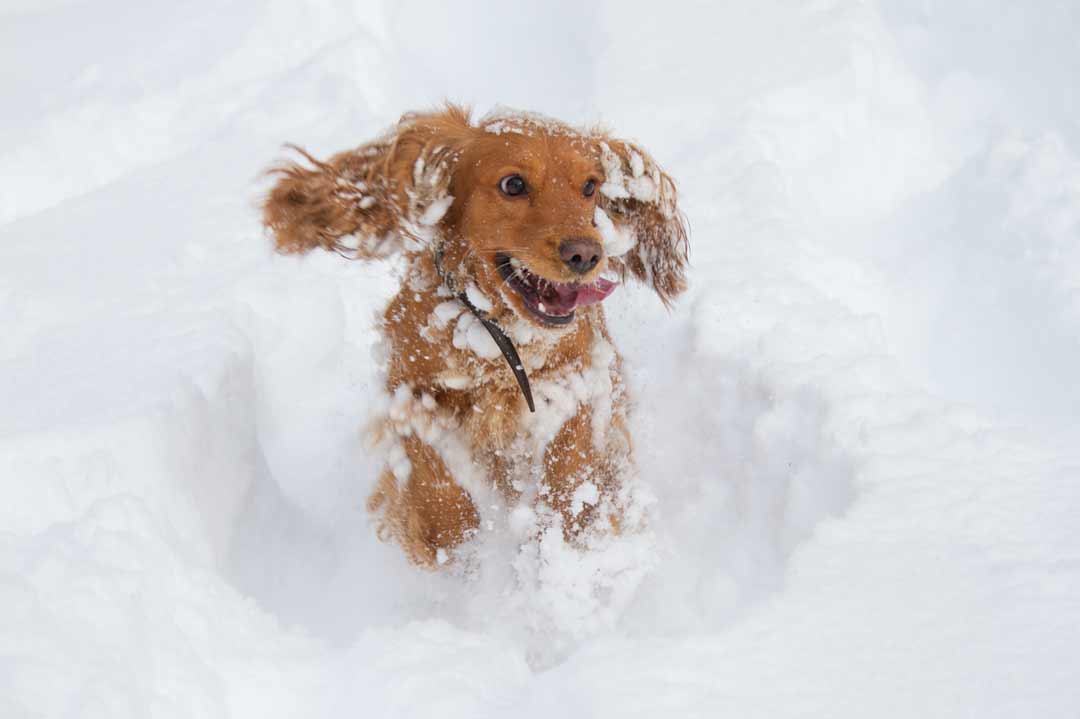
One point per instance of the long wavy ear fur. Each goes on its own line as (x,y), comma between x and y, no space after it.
(374,200)
(640,198)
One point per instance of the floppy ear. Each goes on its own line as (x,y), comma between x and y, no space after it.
(648,233)
(375,200)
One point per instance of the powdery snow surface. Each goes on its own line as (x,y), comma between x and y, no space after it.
(859,429)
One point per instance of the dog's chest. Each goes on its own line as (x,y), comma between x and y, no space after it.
(441,351)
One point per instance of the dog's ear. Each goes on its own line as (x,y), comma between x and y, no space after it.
(647,236)
(375,200)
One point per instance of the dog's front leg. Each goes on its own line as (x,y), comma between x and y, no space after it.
(577,474)
(428,512)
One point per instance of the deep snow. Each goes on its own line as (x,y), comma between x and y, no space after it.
(860,425)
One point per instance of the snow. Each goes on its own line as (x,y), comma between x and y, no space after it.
(435,211)
(470,334)
(856,434)
(615,183)
(617,240)
(477,298)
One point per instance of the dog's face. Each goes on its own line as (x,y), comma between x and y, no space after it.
(526,209)
(525,206)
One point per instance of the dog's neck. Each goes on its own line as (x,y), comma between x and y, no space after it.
(509,352)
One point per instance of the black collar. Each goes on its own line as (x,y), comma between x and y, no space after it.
(501,340)
(507,348)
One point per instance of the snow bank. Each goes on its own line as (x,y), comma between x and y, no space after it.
(859,426)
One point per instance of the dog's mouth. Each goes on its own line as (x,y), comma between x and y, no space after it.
(553,303)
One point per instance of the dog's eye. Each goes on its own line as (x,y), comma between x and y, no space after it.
(513,185)
(589,188)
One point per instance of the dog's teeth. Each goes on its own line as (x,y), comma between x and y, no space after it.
(541,307)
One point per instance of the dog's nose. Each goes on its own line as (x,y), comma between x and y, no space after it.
(580,254)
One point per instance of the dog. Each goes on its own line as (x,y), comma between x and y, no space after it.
(503,384)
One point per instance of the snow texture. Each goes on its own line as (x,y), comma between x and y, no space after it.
(618,240)
(856,434)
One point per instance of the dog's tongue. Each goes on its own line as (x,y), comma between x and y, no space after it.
(561,299)
(596,292)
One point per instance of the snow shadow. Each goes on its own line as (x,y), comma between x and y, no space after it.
(744,466)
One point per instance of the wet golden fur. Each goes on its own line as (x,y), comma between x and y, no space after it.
(456,420)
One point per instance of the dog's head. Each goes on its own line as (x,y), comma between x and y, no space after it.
(523,207)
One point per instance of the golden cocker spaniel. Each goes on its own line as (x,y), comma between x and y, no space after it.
(501,375)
